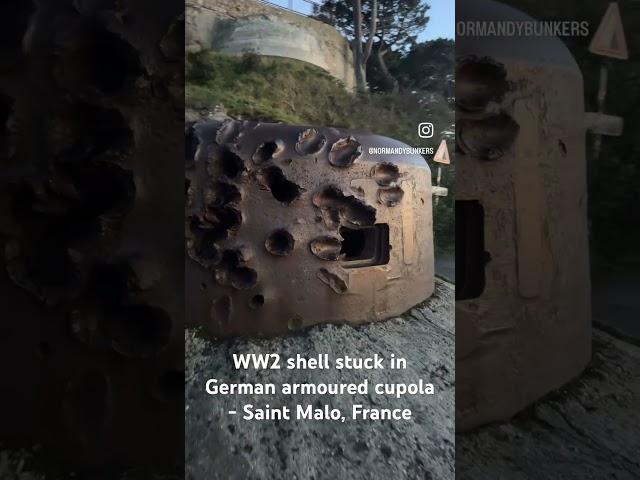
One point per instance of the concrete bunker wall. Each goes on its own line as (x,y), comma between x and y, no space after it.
(238,26)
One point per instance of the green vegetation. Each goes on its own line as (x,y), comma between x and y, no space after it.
(282,90)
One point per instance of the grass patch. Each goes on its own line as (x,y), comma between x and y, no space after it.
(290,91)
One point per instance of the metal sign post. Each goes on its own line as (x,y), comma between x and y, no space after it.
(609,42)
(441,158)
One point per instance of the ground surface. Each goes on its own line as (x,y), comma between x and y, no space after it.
(615,299)
(14,466)
(587,430)
(446,265)
(222,446)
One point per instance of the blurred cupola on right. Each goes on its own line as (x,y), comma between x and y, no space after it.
(523,319)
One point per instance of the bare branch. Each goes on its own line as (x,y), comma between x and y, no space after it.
(357,19)
(372,30)
(359,65)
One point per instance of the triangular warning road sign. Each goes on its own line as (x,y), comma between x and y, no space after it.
(442,155)
(609,39)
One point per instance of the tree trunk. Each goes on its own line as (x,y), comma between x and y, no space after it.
(391,84)
(358,54)
(358,65)
(372,32)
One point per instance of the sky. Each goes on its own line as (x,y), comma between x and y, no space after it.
(441,24)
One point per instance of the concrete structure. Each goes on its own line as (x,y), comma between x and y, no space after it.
(241,26)
(292,226)
(523,320)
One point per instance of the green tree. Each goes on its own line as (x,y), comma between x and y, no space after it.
(376,28)
(428,66)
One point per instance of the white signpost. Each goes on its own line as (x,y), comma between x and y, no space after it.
(609,41)
(441,158)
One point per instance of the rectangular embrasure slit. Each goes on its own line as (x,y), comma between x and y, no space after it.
(365,247)
(470,252)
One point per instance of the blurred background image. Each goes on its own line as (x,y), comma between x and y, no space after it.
(547,251)
(91,349)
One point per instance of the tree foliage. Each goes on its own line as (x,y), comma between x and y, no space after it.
(399,21)
(396,29)
(428,66)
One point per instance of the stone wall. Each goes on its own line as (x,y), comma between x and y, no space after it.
(238,26)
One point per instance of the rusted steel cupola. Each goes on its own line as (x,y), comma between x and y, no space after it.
(523,324)
(290,226)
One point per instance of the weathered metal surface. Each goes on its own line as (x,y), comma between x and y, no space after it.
(91,267)
(522,287)
(291,226)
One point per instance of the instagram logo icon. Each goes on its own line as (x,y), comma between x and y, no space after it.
(425,130)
